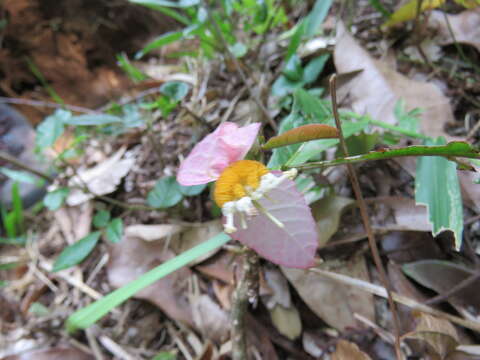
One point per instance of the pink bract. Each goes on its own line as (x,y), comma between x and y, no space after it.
(227,144)
(293,246)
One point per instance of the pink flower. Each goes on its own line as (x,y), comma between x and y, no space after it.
(261,209)
(227,144)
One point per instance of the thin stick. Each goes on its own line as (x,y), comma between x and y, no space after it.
(38,103)
(246,289)
(10,159)
(365,219)
(404,300)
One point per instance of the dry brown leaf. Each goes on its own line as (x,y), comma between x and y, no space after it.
(465,27)
(327,213)
(334,303)
(153,232)
(348,351)
(377,88)
(439,335)
(132,257)
(196,234)
(210,319)
(287,321)
(280,293)
(57,353)
(101,179)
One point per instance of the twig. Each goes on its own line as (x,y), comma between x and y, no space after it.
(10,159)
(246,291)
(38,103)
(404,300)
(461,285)
(365,219)
(240,72)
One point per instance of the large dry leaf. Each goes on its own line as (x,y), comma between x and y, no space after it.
(465,27)
(348,351)
(441,276)
(132,257)
(334,303)
(101,179)
(377,88)
(213,322)
(438,335)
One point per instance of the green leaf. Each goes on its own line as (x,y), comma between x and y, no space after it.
(133,72)
(114,231)
(437,187)
(54,199)
(101,219)
(51,128)
(317,16)
(17,212)
(165,356)
(93,120)
(296,39)
(87,316)
(408,120)
(293,69)
(38,309)
(76,253)
(178,4)
(175,90)
(165,194)
(160,41)
(238,49)
(193,190)
(19,176)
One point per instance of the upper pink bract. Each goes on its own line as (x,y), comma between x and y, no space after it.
(227,144)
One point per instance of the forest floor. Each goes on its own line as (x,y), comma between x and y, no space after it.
(74,56)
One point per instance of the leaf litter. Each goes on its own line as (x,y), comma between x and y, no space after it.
(199,296)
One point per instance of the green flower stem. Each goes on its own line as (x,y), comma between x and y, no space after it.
(452,149)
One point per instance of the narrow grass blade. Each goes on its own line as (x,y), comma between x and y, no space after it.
(87,316)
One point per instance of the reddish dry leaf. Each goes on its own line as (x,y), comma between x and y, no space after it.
(348,351)
(302,134)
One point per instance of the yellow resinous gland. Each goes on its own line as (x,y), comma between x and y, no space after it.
(240,186)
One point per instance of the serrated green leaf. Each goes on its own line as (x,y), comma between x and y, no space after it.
(437,187)
(114,231)
(101,219)
(193,190)
(54,199)
(51,128)
(76,253)
(165,194)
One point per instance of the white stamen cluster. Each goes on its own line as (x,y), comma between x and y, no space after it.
(248,205)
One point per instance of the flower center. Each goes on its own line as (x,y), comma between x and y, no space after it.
(238,180)
(240,186)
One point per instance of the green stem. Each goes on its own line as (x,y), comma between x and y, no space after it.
(452,149)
